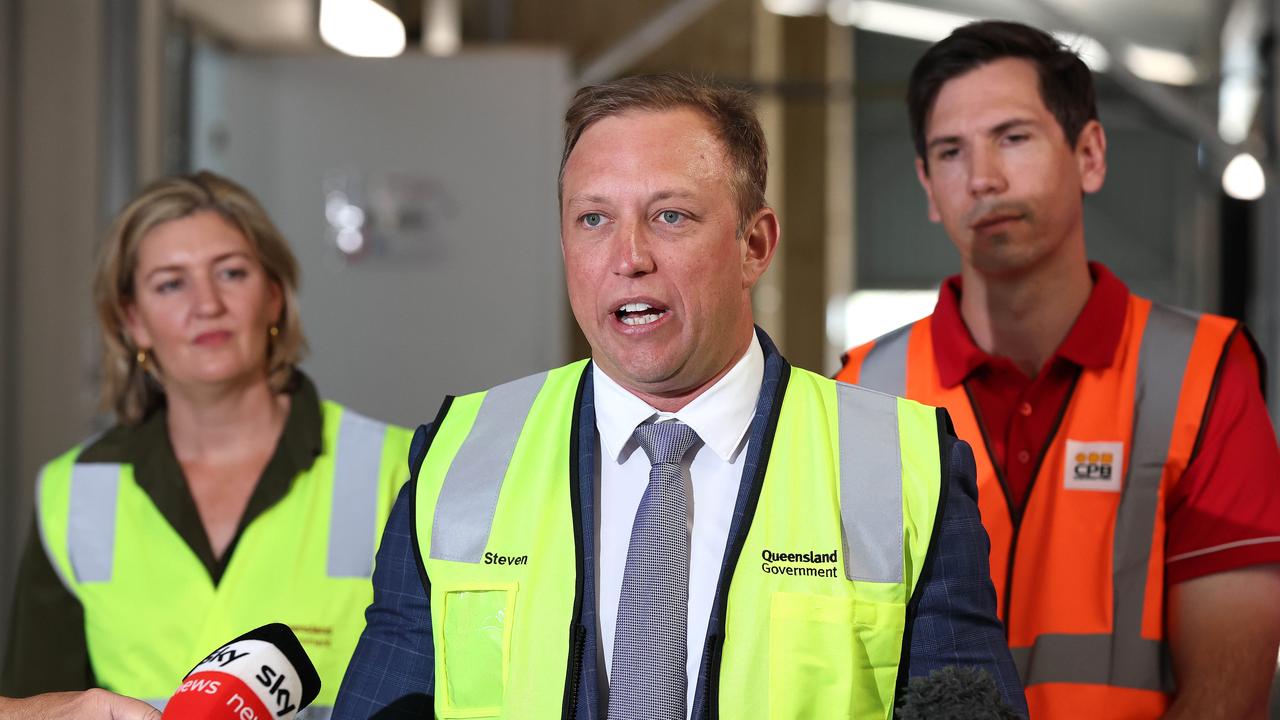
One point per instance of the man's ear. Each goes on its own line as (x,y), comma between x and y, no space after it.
(759,242)
(922,174)
(1091,156)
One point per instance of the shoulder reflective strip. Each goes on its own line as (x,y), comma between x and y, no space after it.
(44,533)
(316,712)
(870,484)
(353,517)
(885,367)
(157,703)
(1092,660)
(91,520)
(1162,362)
(469,496)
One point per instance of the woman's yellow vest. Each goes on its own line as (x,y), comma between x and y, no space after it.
(816,605)
(151,611)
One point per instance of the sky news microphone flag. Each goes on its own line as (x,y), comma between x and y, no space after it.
(262,674)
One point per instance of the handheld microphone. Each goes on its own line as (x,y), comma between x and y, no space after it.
(954,693)
(262,674)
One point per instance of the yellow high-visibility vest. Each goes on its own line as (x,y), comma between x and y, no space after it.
(151,611)
(816,606)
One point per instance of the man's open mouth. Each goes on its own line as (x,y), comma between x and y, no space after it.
(639,313)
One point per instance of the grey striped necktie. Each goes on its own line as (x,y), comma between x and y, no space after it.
(647,680)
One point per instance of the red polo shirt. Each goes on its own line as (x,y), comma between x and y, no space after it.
(1223,513)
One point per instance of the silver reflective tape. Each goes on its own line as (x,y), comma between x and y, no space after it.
(1091,660)
(469,496)
(870,484)
(44,533)
(1162,362)
(353,518)
(91,520)
(316,712)
(158,704)
(885,366)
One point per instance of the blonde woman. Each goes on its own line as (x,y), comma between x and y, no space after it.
(229,495)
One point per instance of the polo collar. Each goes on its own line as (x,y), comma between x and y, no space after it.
(1090,343)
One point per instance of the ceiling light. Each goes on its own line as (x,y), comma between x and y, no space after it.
(891,18)
(1159,65)
(362,28)
(795,8)
(443,34)
(1243,179)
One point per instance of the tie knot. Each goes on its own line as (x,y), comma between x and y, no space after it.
(665,442)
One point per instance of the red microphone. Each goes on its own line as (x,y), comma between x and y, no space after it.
(262,674)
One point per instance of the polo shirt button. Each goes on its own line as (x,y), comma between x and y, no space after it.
(1025,409)
(1024,456)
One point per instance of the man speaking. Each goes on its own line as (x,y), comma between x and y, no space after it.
(685,525)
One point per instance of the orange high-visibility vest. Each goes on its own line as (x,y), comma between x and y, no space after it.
(1079,574)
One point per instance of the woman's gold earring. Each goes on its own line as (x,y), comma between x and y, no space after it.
(142,358)
(274,331)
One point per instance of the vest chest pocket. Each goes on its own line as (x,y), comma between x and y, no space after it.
(830,656)
(476,652)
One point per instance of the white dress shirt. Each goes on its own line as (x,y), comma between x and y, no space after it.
(712,468)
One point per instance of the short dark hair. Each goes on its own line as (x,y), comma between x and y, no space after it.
(730,110)
(1066,85)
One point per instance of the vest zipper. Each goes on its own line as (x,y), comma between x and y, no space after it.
(576,642)
(714,650)
(577,634)
(1015,514)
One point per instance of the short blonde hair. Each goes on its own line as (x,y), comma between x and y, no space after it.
(730,110)
(128,387)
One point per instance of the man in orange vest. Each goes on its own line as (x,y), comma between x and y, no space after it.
(1129,476)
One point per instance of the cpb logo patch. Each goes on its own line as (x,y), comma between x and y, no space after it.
(1093,466)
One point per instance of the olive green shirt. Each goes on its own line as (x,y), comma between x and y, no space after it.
(47,650)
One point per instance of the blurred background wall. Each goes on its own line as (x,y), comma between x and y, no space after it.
(419,190)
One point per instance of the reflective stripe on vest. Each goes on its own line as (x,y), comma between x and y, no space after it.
(1133,661)
(871,472)
(885,367)
(91,520)
(869,455)
(353,533)
(464,514)
(353,519)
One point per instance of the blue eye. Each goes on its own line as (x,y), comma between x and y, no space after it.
(671,217)
(168,286)
(235,273)
(592,219)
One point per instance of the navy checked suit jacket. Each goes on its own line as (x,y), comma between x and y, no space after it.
(953,622)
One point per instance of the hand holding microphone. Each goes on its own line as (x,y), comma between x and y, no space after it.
(262,674)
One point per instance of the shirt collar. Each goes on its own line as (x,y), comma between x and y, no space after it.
(720,416)
(1091,342)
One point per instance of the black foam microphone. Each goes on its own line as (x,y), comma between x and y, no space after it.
(262,674)
(954,693)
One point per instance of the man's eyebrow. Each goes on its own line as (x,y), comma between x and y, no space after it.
(593,199)
(669,194)
(586,198)
(944,140)
(1008,125)
(999,129)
